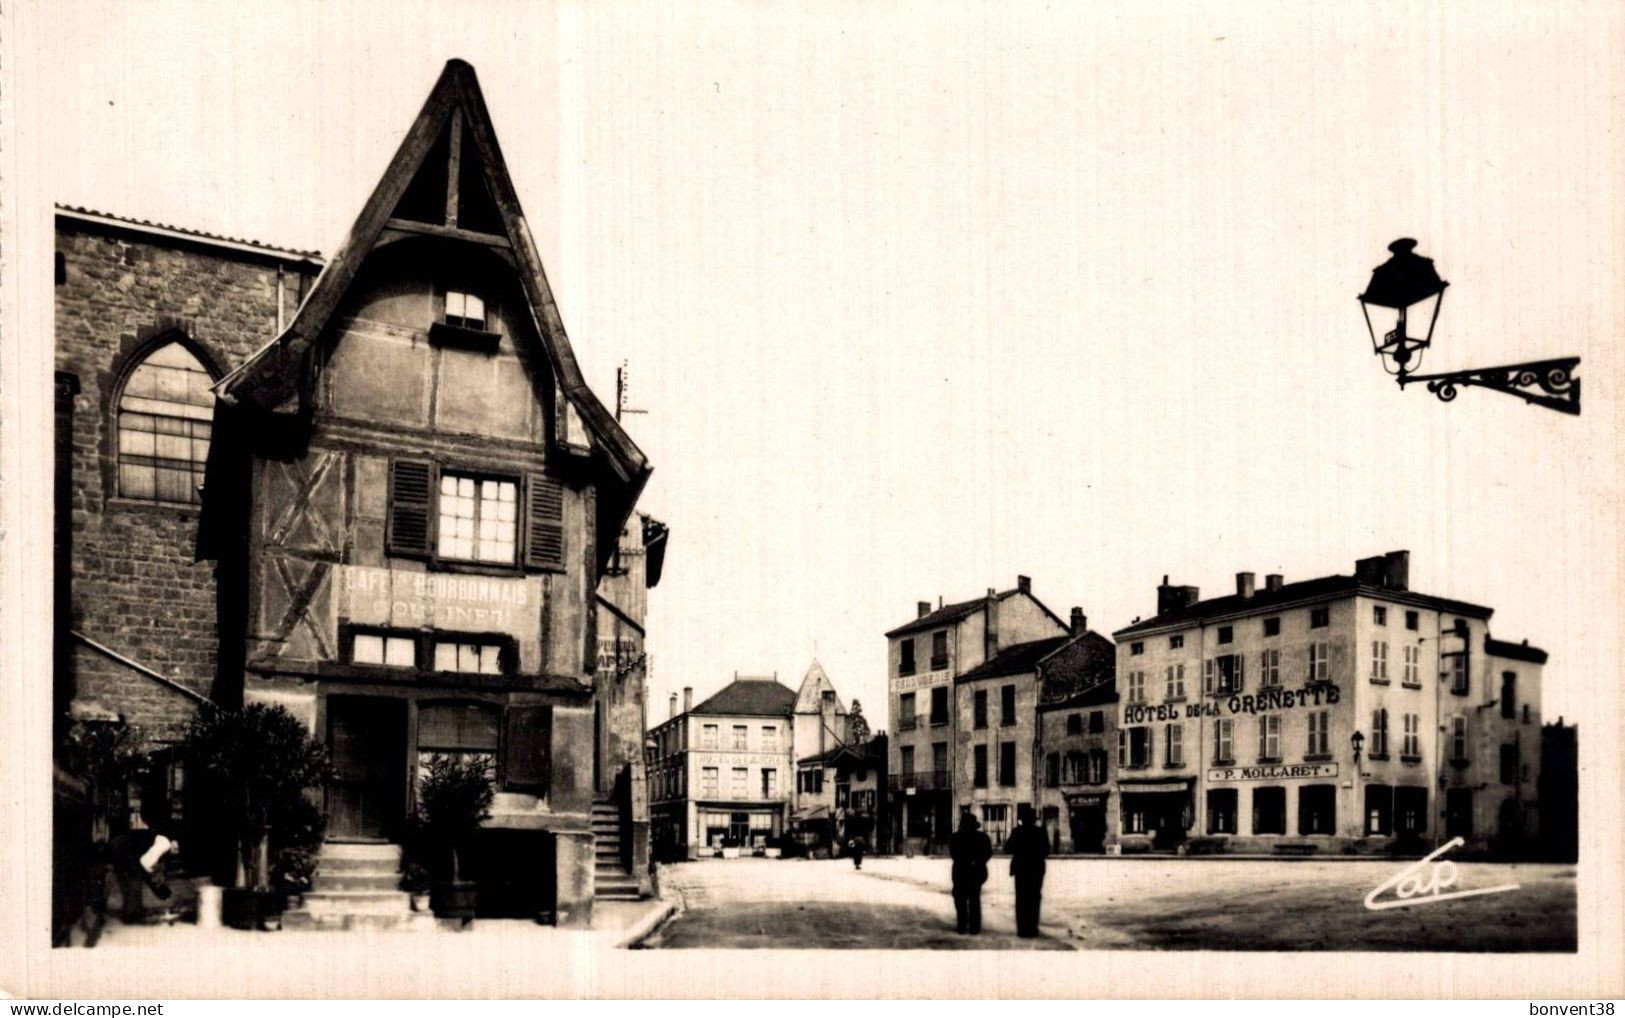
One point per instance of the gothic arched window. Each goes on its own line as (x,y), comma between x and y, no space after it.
(164,416)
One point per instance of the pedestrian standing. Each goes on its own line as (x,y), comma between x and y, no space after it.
(1028,848)
(856,846)
(970,850)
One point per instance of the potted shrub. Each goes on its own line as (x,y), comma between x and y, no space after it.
(415,856)
(455,799)
(251,771)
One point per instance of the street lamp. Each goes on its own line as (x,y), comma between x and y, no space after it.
(1358,739)
(1406,293)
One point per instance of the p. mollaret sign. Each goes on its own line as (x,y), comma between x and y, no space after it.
(1319,695)
(1273,772)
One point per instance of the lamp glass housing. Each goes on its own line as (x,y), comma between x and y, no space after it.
(1401,306)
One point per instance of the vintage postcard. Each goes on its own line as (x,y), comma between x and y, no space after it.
(735,500)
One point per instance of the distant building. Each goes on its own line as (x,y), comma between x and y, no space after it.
(1077,740)
(721,774)
(1558,792)
(841,795)
(1332,714)
(924,657)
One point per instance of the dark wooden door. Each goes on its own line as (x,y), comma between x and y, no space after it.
(367,739)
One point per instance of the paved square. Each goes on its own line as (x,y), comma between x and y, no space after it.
(1099,903)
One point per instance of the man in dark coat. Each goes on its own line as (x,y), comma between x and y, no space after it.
(970,850)
(136,857)
(1028,848)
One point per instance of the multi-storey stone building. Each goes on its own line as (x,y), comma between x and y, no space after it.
(723,773)
(1326,714)
(415,521)
(924,657)
(1077,738)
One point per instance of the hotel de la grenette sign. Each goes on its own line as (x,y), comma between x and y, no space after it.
(1319,695)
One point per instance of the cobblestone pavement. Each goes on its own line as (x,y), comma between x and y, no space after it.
(1117,903)
(819,903)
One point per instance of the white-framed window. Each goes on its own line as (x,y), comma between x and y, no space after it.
(770,738)
(708,782)
(708,736)
(1458,737)
(1176,641)
(458,656)
(165,416)
(1269,737)
(1270,668)
(478,518)
(1379,732)
(1320,665)
(1174,735)
(1136,687)
(464,310)
(741,737)
(383,649)
(770,783)
(1413,666)
(741,782)
(1176,682)
(1224,675)
(1224,742)
(1411,744)
(1379,660)
(1320,737)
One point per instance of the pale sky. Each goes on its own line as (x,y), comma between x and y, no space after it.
(921,297)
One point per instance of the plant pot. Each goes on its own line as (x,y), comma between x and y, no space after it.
(730,853)
(420,901)
(244,908)
(454,899)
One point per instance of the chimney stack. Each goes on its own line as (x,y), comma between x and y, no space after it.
(990,625)
(688,699)
(924,608)
(1273,581)
(1172,598)
(1244,585)
(1024,584)
(673,706)
(1080,622)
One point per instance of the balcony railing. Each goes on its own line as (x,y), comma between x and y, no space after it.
(921,780)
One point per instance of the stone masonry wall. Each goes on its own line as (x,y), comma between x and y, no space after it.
(136,589)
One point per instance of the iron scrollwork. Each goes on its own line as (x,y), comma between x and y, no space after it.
(1550,384)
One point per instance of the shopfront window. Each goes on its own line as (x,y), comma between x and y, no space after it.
(461,731)
(1379,809)
(1221,811)
(1317,809)
(1269,810)
(996,822)
(1410,810)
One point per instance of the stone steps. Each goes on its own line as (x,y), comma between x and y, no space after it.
(356,887)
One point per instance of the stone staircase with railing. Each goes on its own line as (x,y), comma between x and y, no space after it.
(611,879)
(357,887)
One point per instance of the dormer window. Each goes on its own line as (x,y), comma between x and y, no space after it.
(464,311)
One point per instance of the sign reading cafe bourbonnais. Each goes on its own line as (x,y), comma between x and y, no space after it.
(1319,695)
(413,599)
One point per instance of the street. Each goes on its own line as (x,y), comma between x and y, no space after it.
(1101,903)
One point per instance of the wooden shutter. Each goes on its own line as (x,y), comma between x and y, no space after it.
(528,749)
(410,529)
(1207,677)
(1241,672)
(544,523)
(1122,747)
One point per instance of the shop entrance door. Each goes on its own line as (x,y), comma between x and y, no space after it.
(739,829)
(367,739)
(1088,828)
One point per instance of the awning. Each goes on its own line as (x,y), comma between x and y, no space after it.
(810,813)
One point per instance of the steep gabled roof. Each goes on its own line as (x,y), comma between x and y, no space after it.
(1016,659)
(278,371)
(813,685)
(763,697)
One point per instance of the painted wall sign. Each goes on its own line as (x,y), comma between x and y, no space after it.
(1272,772)
(1319,695)
(413,599)
(616,656)
(738,760)
(904,683)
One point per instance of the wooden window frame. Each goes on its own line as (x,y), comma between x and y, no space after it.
(535,489)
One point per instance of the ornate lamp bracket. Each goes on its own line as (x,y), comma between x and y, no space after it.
(1550,384)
